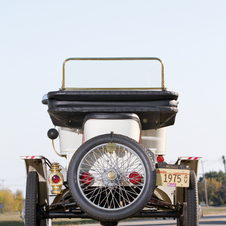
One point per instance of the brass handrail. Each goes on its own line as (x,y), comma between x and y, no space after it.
(114,58)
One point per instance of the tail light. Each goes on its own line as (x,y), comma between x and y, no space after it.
(160,158)
(134,177)
(86,178)
(56,179)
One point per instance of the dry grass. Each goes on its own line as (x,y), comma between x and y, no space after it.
(213,210)
(13,216)
(11,219)
(14,219)
(67,222)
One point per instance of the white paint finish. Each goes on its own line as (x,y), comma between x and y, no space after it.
(155,139)
(126,127)
(70,139)
(70,153)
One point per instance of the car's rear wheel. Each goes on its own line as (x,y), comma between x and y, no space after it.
(191,211)
(32,217)
(111,177)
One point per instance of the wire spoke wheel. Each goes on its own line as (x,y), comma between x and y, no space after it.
(117,178)
(114,180)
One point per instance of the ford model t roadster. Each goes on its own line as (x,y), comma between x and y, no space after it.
(113,138)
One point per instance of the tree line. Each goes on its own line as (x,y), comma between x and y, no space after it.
(11,201)
(216,188)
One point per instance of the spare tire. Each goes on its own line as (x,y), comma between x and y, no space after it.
(111,177)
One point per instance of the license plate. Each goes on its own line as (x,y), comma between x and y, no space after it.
(172,177)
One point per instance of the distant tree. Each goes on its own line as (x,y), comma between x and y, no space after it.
(12,202)
(201,192)
(223,192)
(7,198)
(219,176)
(18,201)
(216,188)
(213,191)
(220,200)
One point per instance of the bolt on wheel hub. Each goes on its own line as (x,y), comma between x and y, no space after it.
(111,175)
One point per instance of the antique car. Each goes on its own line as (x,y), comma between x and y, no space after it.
(112,132)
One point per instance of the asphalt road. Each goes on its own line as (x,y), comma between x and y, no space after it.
(209,220)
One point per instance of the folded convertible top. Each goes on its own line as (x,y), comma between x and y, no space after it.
(155,109)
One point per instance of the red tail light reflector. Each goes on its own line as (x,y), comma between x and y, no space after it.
(160,158)
(134,177)
(55,179)
(86,178)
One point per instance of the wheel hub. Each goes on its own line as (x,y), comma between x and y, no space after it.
(111,177)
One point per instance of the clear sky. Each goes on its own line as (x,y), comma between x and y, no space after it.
(37,36)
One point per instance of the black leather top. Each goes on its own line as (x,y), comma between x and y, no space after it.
(155,109)
(113,95)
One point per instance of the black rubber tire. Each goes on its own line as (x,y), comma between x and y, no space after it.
(191,197)
(110,215)
(108,223)
(32,206)
(180,222)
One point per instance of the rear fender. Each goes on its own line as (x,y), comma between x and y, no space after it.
(191,161)
(38,164)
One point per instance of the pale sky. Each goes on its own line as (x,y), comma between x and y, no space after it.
(37,36)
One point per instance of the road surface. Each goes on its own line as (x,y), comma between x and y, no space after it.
(209,220)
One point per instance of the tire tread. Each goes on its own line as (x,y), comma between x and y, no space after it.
(30,208)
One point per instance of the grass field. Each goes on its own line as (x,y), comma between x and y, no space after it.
(13,219)
(213,210)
